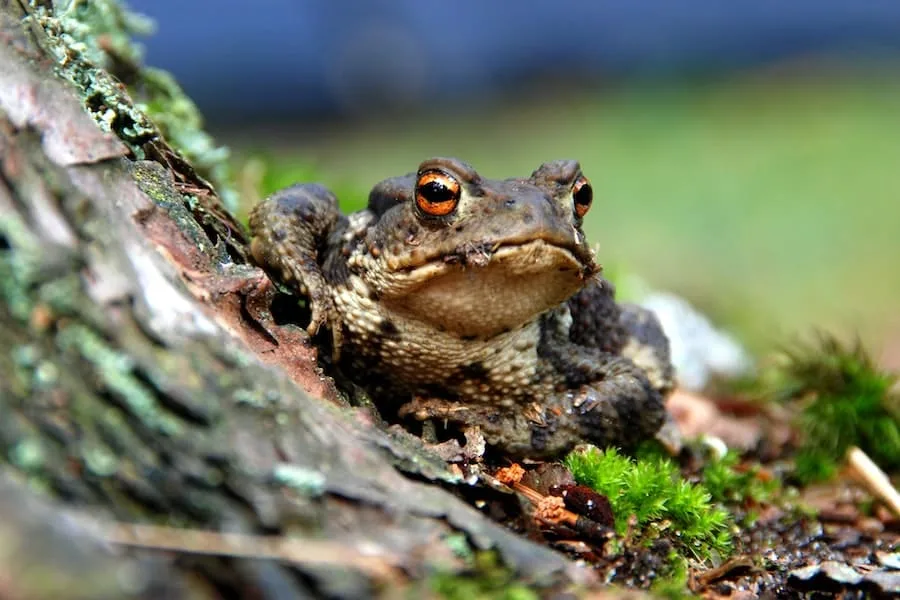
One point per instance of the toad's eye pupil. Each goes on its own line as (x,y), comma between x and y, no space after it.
(582,195)
(435,191)
(437,194)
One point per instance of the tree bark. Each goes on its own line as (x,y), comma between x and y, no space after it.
(143,378)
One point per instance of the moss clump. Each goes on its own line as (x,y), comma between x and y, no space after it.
(487,579)
(845,400)
(729,482)
(652,492)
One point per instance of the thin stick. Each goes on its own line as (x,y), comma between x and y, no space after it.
(381,566)
(874,479)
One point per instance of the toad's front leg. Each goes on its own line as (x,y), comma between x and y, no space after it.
(290,230)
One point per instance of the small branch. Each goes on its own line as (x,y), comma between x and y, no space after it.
(875,480)
(380,564)
(550,510)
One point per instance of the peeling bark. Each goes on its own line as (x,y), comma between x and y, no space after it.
(143,378)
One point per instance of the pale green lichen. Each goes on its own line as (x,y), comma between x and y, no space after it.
(19,379)
(25,355)
(116,371)
(459,546)
(46,375)
(305,481)
(90,40)
(62,294)
(19,267)
(83,36)
(100,461)
(249,397)
(233,354)
(118,433)
(28,454)
(83,21)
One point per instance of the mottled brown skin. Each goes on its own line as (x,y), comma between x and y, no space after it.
(491,316)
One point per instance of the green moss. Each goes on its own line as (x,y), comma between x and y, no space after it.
(487,579)
(844,401)
(652,492)
(728,483)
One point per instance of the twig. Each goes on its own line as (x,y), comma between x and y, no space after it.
(874,479)
(382,566)
(551,510)
(714,574)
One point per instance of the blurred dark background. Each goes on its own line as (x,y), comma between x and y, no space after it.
(746,154)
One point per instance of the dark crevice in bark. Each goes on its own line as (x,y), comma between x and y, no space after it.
(287,309)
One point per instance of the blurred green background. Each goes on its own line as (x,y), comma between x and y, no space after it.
(768,198)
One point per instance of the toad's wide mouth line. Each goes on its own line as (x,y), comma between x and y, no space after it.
(479,255)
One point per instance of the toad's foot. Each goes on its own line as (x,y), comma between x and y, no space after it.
(289,229)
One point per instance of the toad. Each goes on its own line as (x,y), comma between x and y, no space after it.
(474,303)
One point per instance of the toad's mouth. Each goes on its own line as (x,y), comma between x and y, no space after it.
(484,291)
(480,253)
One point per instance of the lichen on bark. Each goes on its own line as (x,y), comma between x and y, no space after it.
(93,45)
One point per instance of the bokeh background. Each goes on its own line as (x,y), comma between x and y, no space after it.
(744,154)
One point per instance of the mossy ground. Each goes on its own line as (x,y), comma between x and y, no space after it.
(842,399)
(650,498)
(837,398)
(747,519)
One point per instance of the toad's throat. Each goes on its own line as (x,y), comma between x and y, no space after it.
(491,292)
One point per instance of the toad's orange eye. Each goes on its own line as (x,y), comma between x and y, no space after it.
(583,195)
(437,193)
